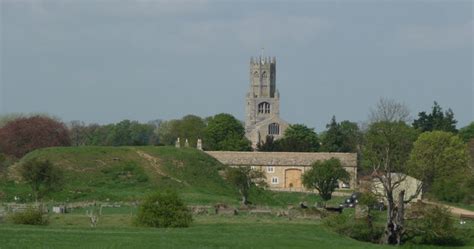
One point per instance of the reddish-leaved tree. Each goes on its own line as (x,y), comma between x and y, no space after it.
(23,135)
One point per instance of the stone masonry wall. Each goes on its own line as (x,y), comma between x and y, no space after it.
(283,168)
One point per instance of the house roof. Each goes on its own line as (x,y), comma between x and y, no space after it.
(242,158)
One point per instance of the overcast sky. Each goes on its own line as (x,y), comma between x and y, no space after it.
(104,61)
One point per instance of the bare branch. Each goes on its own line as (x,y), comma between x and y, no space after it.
(389,110)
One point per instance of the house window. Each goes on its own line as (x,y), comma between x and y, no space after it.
(264,107)
(273,129)
(270,169)
(274,180)
(253,167)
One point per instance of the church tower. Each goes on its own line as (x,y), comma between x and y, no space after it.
(263,102)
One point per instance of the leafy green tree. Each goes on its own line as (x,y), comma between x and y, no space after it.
(167,132)
(244,178)
(268,145)
(129,132)
(42,176)
(141,134)
(387,148)
(439,158)
(436,120)
(470,147)
(299,138)
(333,138)
(98,134)
(164,210)
(324,176)
(341,137)
(467,132)
(224,132)
(189,127)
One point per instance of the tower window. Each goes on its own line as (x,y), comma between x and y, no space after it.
(255,74)
(264,107)
(264,75)
(273,129)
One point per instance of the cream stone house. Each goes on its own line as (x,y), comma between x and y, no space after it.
(284,170)
(411,185)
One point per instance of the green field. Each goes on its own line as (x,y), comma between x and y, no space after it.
(127,174)
(213,231)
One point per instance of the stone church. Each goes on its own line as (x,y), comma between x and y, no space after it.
(283,170)
(263,102)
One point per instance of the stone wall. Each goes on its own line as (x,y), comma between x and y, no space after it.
(284,169)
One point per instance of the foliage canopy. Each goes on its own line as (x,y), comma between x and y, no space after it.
(341,137)
(244,178)
(324,176)
(22,135)
(440,160)
(42,176)
(436,120)
(225,132)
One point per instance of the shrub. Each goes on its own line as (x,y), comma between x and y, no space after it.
(436,227)
(42,176)
(163,210)
(359,229)
(31,216)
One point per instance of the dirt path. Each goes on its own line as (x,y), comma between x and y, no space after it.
(156,164)
(454,210)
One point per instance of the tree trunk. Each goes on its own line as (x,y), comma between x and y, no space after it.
(394,228)
(400,221)
(244,198)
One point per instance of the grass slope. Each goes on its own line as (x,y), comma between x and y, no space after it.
(128,173)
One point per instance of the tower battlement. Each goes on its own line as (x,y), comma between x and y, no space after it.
(262,60)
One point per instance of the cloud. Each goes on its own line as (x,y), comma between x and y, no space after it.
(436,37)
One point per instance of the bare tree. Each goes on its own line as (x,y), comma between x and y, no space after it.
(387,148)
(389,110)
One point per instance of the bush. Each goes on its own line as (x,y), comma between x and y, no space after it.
(359,229)
(435,227)
(163,210)
(31,216)
(42,176)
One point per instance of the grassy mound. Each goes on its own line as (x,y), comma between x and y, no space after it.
(128,173)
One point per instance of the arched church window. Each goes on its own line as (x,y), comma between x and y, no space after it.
(264,107)
(273,129)
(255,74)
(264,75)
